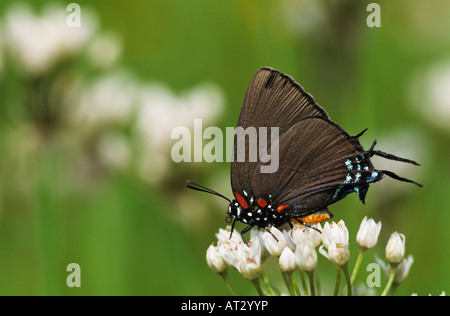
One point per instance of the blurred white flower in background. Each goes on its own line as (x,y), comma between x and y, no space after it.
(115,151)
(305,17)
(104,50)
(429,93)
(38,42)
(110,100)
(160,111)
(403,269)
(103,115)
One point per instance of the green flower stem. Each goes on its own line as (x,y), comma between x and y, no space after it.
(347,278)
(297,290)
(391,280)
(267,283)
(258,286)
(317,283)
(302,278)
(224,275)
(311,283)
(357,265)
(290,283)
(338,280)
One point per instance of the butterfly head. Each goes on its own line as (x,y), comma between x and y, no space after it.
(234,211)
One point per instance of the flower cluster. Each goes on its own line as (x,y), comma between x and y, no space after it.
(295,249)
(75,89)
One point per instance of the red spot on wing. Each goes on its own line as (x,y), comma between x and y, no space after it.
(281,208)
(262,203)
(241,200)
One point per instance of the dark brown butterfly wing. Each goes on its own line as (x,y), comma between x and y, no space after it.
(319,164)
(273,99)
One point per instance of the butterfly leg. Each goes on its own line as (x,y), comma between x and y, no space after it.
(246,229)
(307,225)
(232,228)
(268,230)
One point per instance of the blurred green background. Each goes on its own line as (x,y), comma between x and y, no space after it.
(86,117)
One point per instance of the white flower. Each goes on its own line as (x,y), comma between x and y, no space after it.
(306,257)
(215,260)
(230,252)
(37,43)
(335,238)
(368,233)
(247,259)
(257,234)
(395,248)
(224,234)
(114,150)
(109,101)
(430,87)
(301,234)
(339,253)
(403,269)
(334,232)
(275,247)
(104,50)
(287,260)
(250,260)
(159,112)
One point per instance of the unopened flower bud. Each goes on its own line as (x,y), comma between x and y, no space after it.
(403,269)
(215,260)
(339,253)
(274,246)
(368,233)
(334,232)
(306,257)
(395,248)
(250,265)
(287,260)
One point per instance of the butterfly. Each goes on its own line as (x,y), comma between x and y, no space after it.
(319,162)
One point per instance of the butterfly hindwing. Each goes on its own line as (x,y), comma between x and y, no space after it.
(319,164)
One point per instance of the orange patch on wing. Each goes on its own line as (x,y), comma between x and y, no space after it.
(315,218)
(281,208)
(262,203)
(241,200)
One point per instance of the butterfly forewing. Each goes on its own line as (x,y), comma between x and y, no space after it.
(272,99)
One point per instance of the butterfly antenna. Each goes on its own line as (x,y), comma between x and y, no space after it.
(393,157)
(198,187)
(396,177)
(380,153)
